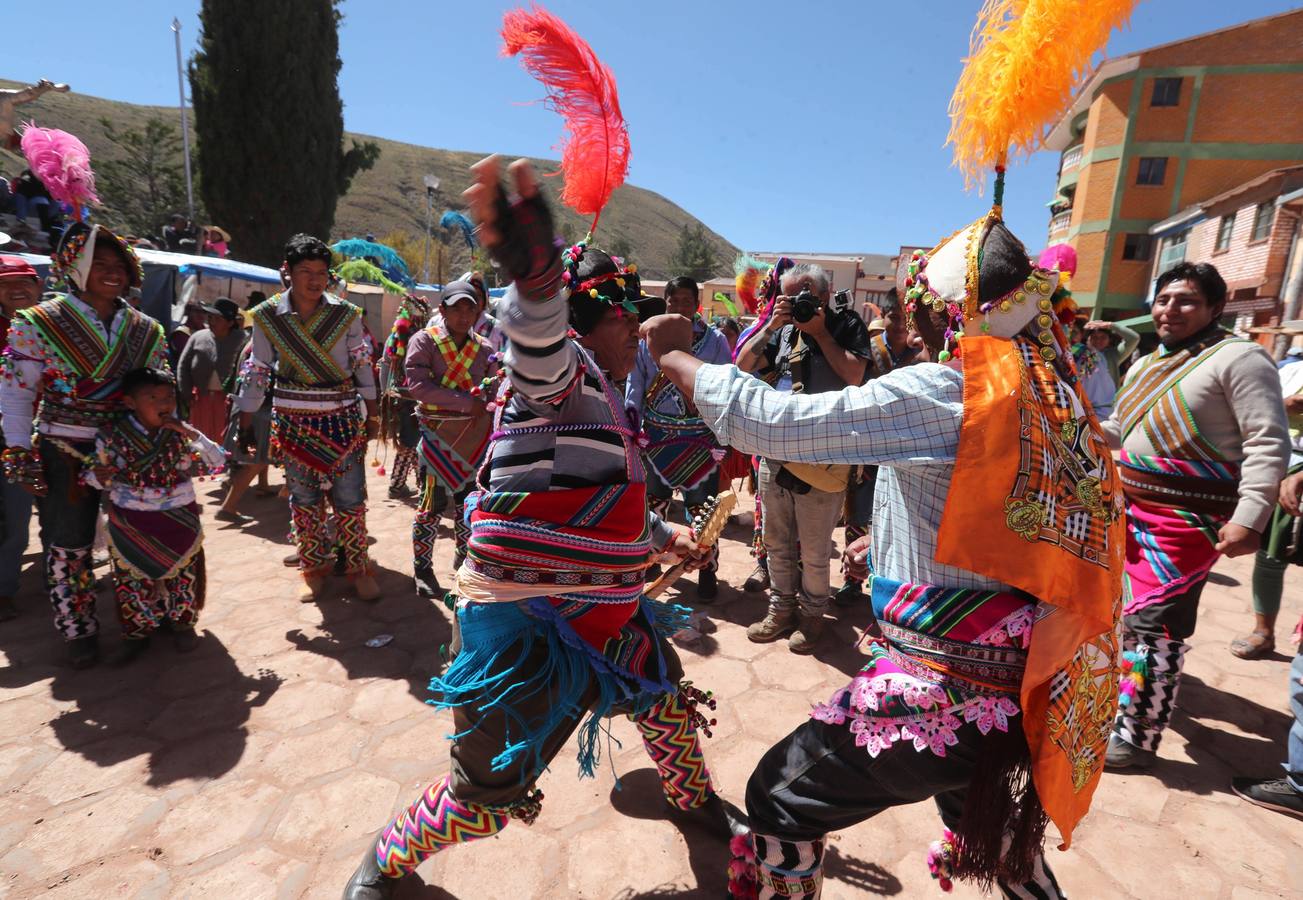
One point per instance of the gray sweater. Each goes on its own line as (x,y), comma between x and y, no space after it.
(1235,399)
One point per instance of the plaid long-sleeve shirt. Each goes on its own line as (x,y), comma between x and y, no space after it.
(906,422)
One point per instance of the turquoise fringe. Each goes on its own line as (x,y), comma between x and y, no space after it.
(487,675)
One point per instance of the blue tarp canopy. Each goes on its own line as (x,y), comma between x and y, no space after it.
(436,288)
(186,264)
(158,294)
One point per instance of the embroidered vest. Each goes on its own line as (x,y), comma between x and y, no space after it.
(303,347)
(83,374)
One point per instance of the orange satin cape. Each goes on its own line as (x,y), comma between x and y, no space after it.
(1035,503)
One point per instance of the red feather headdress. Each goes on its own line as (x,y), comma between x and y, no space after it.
(595,149)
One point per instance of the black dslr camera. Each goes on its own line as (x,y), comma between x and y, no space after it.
(804,306)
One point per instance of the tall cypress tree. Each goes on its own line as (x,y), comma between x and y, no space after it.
(269,121)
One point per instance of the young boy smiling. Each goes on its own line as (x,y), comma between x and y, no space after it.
(146,461)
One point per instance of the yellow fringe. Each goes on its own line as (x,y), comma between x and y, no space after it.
(1026,57)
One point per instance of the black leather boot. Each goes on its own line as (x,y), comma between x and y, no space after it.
(367,882)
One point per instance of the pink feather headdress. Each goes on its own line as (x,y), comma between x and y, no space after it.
(595,149)
(62,163)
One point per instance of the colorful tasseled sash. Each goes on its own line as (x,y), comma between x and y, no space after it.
(936,634)
(453,445)
(321,441)
(597,533)
(155,544)
(1175,509)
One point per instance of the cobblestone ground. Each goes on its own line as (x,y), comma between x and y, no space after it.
(260,765)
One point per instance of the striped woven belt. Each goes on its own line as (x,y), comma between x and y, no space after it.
(1206,496)
(331,393)
(78,413)
(971,667)
(567,579)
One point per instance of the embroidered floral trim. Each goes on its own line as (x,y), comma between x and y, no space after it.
(1014,630)
(932,727)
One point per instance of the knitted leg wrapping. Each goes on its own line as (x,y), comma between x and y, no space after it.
(855,532)
(350,535)
(460,530)
(71,584)
(185,594)
(138,614)
(758,532)
(308,528)
(425,527)
(1151,677)
(788,868)
(435,821)
(404,463)
(669,731)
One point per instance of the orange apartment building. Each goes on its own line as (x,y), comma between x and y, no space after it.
(1158,131)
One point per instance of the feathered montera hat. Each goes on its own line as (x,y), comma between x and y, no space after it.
(594,154)
(1027,57)
(1031,456)
(71,260)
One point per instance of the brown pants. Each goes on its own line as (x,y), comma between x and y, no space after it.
(486,734)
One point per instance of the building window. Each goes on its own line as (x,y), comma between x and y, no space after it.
(1137,247)
(1173,250)
(1152,170)
(1262,221)
(1224,231)
(1167,92)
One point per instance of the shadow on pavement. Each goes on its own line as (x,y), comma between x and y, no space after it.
(418,628)
(187,714)
(638,795)
(1216,754)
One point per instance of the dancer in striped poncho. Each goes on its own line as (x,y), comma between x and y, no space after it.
(552,631)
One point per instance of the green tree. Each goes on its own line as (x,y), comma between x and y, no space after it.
(694,255)
(407,245)
(269,121)
(145,182)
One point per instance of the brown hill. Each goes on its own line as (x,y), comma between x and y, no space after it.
(392,195)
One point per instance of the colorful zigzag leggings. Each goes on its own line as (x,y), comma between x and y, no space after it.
(438,819)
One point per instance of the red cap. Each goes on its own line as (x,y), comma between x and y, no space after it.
(16,267)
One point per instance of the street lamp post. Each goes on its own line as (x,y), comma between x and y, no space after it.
(431,185)
(185,125)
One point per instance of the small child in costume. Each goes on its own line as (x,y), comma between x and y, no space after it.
(146,461)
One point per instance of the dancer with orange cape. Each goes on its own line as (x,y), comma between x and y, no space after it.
(997,557)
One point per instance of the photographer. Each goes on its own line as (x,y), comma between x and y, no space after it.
(811,349)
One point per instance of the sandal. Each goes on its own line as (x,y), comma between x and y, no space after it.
(1254,645)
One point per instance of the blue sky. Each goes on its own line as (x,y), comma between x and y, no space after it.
(784,126)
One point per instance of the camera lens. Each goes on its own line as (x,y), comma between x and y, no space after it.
(804,307)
